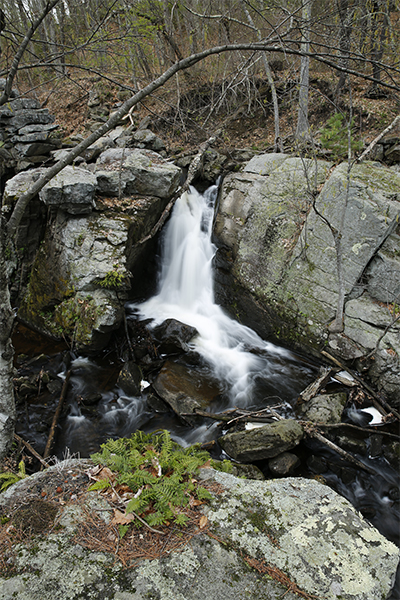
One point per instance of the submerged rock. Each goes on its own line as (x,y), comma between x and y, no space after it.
(264,442)
(129,379)
(174,336)
(183,388)
(283,464)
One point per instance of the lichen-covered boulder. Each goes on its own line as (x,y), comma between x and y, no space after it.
(133,171)
(310,532)
(263,540)
(263,442)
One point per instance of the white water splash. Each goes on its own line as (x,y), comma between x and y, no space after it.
(186,294)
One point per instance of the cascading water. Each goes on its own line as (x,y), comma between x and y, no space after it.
(248,366)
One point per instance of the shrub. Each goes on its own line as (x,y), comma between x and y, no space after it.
(334,137)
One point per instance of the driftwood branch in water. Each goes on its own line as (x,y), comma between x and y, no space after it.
(56,417)
(314,387)
(379,403)
(27,445)
(194,168)
(367,430)
(310,431)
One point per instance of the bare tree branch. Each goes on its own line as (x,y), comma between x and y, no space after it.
(17,58)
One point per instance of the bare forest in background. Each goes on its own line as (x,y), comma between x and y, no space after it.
(324,57)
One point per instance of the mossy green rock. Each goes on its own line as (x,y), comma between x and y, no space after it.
(264,442)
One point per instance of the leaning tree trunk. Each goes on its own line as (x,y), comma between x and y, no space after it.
(7,405)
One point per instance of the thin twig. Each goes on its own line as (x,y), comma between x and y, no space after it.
(31,450)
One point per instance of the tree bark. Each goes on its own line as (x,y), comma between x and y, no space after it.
(7,404)
(303,127)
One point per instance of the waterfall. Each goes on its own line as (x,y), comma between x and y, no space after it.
(237,355)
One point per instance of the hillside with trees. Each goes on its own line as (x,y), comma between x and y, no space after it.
(278,72)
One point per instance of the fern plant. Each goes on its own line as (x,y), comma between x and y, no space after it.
(158,472)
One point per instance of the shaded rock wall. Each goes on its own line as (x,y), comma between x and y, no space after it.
(277,259)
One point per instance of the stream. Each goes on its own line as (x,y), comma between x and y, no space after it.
(249,372)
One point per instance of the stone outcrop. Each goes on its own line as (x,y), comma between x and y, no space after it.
(277,258)
(27,132)
(90,250)
(293,528)
(133,171)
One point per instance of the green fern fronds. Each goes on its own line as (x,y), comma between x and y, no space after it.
(103,484)
(158,470)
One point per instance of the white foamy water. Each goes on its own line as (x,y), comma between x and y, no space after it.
(186,294)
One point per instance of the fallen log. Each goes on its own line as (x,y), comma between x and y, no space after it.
(314,387)
(56,417)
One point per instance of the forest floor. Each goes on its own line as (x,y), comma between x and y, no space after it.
(184,115)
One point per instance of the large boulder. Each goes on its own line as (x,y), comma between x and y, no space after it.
(324,408)
(263,538)
(277,247)
(71,190)
(132,171)
(82,264)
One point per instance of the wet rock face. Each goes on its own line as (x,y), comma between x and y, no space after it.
(183,388)
(173,336)
(264,442)
(277,265)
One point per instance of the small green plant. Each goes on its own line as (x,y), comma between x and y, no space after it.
(159,473)
(9,478)
(112,280)
(334,137)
